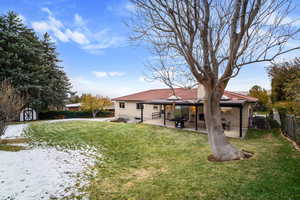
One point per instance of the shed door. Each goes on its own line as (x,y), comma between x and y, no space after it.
(28,115)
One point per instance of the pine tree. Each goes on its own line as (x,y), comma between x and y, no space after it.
(57,85)
(30,64)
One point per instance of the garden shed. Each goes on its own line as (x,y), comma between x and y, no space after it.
(28,114)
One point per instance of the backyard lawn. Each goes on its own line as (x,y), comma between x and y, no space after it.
(141,162)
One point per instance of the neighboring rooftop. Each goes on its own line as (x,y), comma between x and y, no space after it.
(183,93)
(73,105)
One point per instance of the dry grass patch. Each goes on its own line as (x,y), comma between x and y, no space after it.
(12,148)
(14,141)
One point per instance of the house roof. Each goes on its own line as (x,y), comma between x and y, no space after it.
(183,93)
(73,105)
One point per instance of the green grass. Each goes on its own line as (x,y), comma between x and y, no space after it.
(144,162)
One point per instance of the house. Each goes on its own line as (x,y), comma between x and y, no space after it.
(73,107)
(162,107)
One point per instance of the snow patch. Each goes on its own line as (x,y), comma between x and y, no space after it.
(81,119)
(45,172)
(14,131)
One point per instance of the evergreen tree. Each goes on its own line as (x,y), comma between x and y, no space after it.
(57,85)
(31,64)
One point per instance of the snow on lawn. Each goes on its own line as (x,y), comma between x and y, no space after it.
(81,119)
(14,131)
(44,172)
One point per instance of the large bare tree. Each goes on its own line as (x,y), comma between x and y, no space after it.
(216,38)
(172,74)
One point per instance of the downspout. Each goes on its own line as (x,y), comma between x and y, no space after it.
(196,118)
(142,113)
(164,115)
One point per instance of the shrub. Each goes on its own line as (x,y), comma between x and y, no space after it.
(272,123)
(71,114)
(288,107)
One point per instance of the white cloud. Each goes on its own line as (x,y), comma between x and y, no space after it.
(116,73)
(77,37)
(40,26)
(60,34)
(79,20)
(56,28)
(110,74)
(100,74)
(105,43)
(92,42)
(47,10)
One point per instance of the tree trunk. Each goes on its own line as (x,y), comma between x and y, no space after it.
(221,148)
(94,113)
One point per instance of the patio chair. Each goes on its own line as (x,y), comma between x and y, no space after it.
(226,124)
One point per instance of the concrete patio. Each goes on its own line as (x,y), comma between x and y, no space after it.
(233,132)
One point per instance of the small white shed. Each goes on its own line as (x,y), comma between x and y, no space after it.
(28,114)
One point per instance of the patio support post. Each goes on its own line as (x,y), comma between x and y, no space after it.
(241,121)
(164,115)
(142,113)
(196,119)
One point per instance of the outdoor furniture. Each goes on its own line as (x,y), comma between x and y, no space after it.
(179,122)
(156,115)
(201,124)
(226,124)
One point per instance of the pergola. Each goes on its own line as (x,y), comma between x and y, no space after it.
(223,103)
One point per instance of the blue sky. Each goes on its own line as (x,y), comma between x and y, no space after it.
(92,41)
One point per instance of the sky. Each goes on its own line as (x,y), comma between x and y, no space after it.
(92,41)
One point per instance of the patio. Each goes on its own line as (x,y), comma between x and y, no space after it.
(191,114)
(233,132)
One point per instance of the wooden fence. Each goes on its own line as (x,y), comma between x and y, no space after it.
(290,126)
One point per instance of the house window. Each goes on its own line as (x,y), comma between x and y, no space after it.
(155,107)
(122,105)
(139,106)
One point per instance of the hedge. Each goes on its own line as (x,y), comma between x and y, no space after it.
(71,114)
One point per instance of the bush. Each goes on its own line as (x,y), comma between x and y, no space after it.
(273,123)
(288,107)
(71,114)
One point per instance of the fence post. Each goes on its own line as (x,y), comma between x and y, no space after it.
(297,130)
(294,128)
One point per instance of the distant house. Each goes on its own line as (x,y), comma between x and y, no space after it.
(162,107)
(73,107)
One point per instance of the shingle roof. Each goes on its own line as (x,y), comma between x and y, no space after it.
(183,93)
